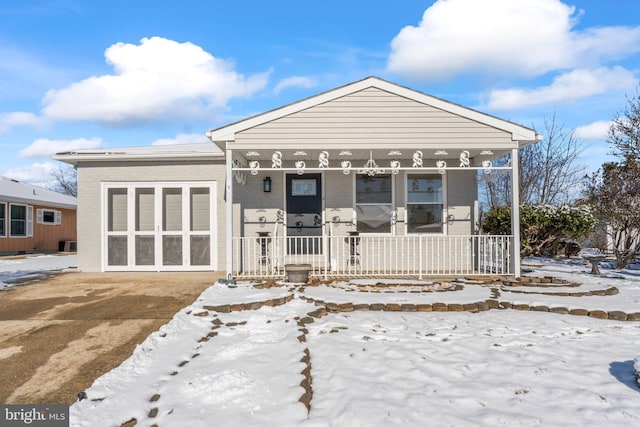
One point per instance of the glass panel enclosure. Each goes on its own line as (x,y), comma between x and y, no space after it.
(172,250)
(200,209)
(172,209)
(117,209)
(200,250)
(145,201)
(155,226)
(117,250)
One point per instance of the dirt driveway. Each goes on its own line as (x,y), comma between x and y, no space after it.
(59,334)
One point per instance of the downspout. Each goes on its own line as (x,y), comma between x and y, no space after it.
(515,212)
(229,206)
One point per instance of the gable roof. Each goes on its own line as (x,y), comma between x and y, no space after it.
(18,192)
(227,133)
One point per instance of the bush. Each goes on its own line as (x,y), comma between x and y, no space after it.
(544,229)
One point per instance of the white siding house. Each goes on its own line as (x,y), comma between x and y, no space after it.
(371,178)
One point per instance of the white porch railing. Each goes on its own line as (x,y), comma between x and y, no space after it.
(413,255)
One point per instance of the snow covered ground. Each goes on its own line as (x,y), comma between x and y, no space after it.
(17,270)
(374,368)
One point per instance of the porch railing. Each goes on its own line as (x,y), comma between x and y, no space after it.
(413,255)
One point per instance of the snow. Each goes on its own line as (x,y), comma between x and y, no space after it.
(379,368)
(17,270)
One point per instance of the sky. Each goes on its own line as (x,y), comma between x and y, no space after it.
(76,74)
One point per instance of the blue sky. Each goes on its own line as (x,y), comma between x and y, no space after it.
(89,74)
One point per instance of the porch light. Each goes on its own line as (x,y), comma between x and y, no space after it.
(394,153)
(441,153)
(266,185)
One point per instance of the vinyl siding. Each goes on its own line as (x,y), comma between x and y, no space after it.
(376,118)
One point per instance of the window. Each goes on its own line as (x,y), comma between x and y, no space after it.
(374,203)
(424,203)
(21,221)
(3,219)
(48,216)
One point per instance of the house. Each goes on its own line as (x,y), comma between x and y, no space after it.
(33,219)
(371,178)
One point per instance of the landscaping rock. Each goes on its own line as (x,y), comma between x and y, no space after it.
(579,312)
(559,310)
(633,316)
(424,307)
(617,315)
(599,314)
(455,307)
(439,306)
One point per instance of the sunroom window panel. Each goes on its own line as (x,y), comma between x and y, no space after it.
(117,250)
(172,208)
(200,209)
(117,211)
(145,200)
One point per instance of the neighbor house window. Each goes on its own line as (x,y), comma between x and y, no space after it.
(374,203)
(48,216)
(21,221)
(425,203)
(3,219)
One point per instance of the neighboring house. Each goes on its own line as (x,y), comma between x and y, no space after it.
(366,179)
(33,219)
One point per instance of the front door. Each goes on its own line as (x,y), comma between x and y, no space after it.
(304,213)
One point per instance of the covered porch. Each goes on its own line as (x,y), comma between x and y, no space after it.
(369,179)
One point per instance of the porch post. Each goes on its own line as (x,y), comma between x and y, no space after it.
(515,212)
(229,206)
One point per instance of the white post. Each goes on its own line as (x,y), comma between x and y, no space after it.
(515,212)
(229,205)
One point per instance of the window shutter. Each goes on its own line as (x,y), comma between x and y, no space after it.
(58,217)
(39,216)
(29,221)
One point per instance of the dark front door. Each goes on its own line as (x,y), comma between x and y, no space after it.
(304,213)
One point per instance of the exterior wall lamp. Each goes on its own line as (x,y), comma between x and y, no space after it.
(266,185)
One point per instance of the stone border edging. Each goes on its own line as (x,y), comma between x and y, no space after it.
(474,307)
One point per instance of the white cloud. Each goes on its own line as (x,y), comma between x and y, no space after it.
(595,130)
(10,120)
(36,174)
(504,37)
(45,147)
(577,84)
(183,138)
(157,78)
(294,81)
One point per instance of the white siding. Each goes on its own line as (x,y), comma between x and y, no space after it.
(376,118)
